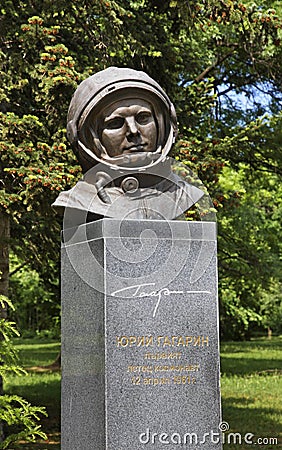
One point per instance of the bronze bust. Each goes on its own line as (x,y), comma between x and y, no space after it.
(122,125)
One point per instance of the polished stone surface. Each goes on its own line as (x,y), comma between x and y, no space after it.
(140,336)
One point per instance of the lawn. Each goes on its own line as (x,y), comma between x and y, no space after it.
(39,387)
(252,391)
(250,383)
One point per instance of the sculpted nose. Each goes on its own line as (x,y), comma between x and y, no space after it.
(131,126)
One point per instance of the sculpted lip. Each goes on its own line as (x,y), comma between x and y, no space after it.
(135,148)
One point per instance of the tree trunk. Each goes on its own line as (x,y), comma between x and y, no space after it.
(56,365)
(4,277)
(4,257)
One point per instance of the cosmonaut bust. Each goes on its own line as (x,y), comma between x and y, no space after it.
(122,125)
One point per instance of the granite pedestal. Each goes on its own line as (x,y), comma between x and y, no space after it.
(140,336)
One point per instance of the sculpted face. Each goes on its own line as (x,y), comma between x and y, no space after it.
(128,126)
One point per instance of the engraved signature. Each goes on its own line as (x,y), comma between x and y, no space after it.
(143,290)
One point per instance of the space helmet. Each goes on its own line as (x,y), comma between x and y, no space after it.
(99,91)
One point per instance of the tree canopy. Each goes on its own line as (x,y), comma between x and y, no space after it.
(219,61)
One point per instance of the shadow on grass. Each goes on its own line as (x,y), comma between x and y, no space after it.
(249,366)
(40,389)
(243,418)
(41,354)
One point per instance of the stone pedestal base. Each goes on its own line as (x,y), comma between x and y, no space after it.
(140,336)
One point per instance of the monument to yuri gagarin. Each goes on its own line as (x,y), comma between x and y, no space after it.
(122,125)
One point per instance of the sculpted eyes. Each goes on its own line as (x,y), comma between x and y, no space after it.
(114,124)
(144,117)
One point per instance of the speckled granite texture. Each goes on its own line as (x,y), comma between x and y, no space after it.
(140,336)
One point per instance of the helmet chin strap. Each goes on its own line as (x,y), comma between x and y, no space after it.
(106,170)
(139,160)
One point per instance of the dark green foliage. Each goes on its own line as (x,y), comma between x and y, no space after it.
(219,61)
(19,417)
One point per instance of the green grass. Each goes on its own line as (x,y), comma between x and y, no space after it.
(250,384)
(251,390)
(38,388)
(250,357)
(37,352)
